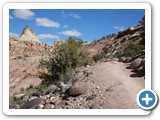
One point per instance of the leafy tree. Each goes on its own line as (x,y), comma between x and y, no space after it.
(64,58)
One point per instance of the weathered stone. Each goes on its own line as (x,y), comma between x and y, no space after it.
(78,88)
(128,59)
(94,106)
(32,103)
(136,63)
(28,35)
(19,96)
(41,106)
(47,106)
(141,69)
(115,59)
(122,59)
(52,88)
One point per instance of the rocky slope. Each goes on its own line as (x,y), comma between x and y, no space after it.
(92,87)
(116,44)
(111,83)
(27,45)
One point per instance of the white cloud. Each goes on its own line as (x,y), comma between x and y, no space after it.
(14,34)
(25,14)
(120,28)
(65,26)
(47,22)
(11,17)
(45,36)
(70,33)
(76,16)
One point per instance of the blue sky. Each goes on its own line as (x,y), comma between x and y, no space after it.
(51,24)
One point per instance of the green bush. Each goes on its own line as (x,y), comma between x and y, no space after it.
(98,57)
(133,49)
(105,50)
(64,58)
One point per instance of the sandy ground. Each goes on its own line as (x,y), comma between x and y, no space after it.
(116,86)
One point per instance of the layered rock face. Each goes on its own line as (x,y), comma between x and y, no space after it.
(28,35)
(26,45)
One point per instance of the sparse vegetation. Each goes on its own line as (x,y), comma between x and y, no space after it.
(133,49)
(21,89)
(98,57)
(65,57)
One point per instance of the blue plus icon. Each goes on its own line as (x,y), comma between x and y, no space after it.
(147,99)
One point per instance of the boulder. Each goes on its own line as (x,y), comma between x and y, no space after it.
(78,88)
(52,88)
(141,69)
(122,59)
(128,59)
(135,64)
(32,103)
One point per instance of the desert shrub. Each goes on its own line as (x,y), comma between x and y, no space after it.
(26,55)
(98,57)
(64,58)
(133,49)
(118,54)
(105,50)
(31,86)
(21,89)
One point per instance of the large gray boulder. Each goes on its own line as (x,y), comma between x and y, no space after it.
(141,69)
(78,88)
(32,103)
(135,64)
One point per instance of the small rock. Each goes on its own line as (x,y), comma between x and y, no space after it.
(52,106)
(54,99)
(128,59)
(47,106)
(37,94)
(94,106)
(122,59)
(32,103)
(78,88)
(97,87)
(115,59)
(19,96)
(52,88)
(88,66)
(91,97)
(108,60)
(41,106)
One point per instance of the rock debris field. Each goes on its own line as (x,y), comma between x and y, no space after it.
(103,85)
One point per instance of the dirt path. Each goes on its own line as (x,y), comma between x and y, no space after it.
(114,87)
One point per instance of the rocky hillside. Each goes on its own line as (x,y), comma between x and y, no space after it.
(112,81)
(115,46)
(27,45)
